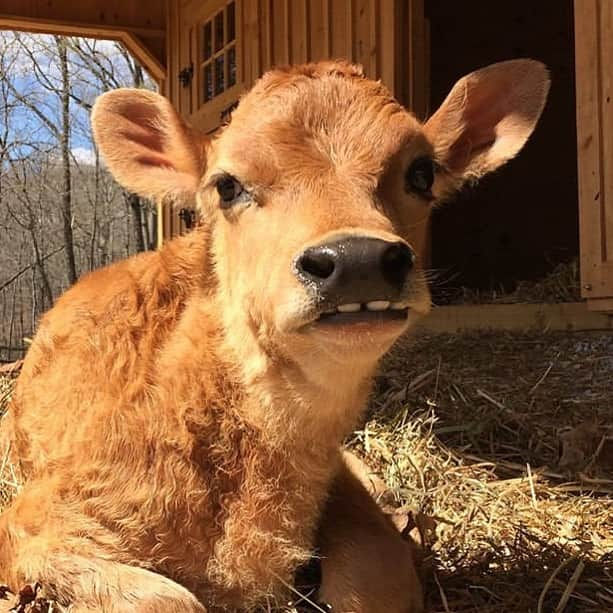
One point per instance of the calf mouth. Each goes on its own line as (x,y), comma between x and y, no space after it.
(374,311)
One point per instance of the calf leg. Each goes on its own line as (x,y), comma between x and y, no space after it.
(366,565)
(84,581)
(89,586)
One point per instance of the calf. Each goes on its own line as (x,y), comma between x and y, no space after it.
(179,414)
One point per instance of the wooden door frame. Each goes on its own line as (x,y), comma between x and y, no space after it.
(594,91)
(129,38)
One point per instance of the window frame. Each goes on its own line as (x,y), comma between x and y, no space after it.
(207,114)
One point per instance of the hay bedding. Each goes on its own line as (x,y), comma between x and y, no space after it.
(562,284)
(499,447)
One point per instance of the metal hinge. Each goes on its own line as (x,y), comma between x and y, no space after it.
(186,75)
(188,216)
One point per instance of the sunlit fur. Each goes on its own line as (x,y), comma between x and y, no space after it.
(179,414)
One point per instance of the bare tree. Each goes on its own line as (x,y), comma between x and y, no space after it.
(61,214)
(64,138)
(140,209)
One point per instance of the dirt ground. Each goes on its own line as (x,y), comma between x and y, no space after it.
(499,447)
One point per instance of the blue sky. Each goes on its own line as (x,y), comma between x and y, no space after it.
(32,67)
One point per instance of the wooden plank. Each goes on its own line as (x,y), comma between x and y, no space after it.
(416,54)
(250,41)
(194,53)
(118,14)
(171,84)
(600,304)
(240,44)
(592,194)
(266,35)
(319,30)
(386,43)
(172,232)
(184,60)
(306,31)
(605,92)
(361,34)
(572,316)
(207,117)
(298,32)
(340,42)
(349,51)
(427,75)
(167,220)
(161,234)
(196,11)
(280,32)
(373,39)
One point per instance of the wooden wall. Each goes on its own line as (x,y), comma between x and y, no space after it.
(386,36)
(118,13)
(594,54)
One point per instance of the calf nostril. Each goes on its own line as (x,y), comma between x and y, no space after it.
(396,263)
(318,264)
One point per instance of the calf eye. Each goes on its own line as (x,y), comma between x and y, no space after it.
(229,190)
(420,176)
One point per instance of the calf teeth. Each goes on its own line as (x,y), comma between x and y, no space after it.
(354,307)
(378,305)
(398,306)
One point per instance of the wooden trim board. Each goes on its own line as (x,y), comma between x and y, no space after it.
(129,37)
(569,316)
(600,304)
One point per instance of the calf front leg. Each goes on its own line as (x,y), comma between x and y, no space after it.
(89,585)
(366,565)
(118,588)
(36,548)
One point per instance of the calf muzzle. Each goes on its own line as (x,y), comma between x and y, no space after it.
(354,270)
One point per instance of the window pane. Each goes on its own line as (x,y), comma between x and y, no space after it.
(208,82)
(219,31)
(207,45)
(231,23)
(231,67)
(219,80)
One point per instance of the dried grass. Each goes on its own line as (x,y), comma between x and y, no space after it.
(562,284)
(9,484)
(469,433)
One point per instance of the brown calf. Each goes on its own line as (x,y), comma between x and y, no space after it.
(179,414)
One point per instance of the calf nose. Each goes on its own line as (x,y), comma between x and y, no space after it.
(356,269)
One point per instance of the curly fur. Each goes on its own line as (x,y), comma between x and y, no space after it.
(178,425)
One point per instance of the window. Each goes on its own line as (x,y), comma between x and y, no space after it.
(218,66)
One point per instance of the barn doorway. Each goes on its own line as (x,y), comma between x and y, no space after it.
(522,221)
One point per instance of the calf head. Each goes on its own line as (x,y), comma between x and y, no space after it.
(318,191)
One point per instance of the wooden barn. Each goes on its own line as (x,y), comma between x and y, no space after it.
(554,204)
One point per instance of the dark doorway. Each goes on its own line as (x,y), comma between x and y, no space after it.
(519,223)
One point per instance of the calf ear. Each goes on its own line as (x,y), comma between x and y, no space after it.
(488,116)
(146,145)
